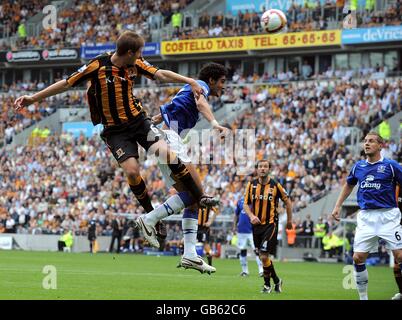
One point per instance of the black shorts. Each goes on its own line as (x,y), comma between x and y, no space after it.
(91,237)
(123,140)
(203,234)
(264,236)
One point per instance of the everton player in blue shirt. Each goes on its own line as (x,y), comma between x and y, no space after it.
(180,115)
(379,216)
(242,226)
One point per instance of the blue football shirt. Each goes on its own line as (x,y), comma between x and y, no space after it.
(376,183)
(182,112)
(243,221)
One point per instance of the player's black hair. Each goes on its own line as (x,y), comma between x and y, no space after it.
(262,160)
(212,70)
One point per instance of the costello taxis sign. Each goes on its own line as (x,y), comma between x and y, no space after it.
(256,42)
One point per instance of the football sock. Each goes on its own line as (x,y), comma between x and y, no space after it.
(361,277)
(189,225)
(209,257)
(173,205)
(273,273)
(243,261)
(140,191)
(398,276)
(267,272)
(181,173)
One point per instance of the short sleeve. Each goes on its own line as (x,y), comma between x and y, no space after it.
(145,68)
(205,88)
(397,171)
(351,179)
(86,72)
(282,192)
(247,194)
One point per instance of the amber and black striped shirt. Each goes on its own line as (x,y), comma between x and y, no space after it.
(203,215)
(264,199)
(113,87)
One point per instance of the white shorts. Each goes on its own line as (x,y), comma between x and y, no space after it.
(245,240)
(175,144)
(375,224)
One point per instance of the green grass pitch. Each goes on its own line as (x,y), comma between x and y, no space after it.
(112,276)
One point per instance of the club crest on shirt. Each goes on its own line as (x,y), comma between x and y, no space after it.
(83,68)
(381,169)
(120,153)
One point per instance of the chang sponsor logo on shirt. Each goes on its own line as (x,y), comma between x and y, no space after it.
(369,184)
(262,197)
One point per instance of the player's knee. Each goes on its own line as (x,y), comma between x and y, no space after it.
(243,253)
(132,173)
(358,258)
(264,258)
(398,256)
(257,253)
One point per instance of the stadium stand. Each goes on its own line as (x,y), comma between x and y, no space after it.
(42,192)
(140,16)
(105,27)
(300,18)
(13,14)
(305,116)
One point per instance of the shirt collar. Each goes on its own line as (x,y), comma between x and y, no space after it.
(381,159)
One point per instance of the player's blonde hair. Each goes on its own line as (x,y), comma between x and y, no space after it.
(380,140)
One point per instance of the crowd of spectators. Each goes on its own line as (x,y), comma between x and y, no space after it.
(12,122)
(306,73)
(307,17)
(63,181)
(13,13)
(100,21)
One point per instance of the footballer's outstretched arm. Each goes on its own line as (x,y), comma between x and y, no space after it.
(82,74)
(55,88)
(173,77)
(205,109)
